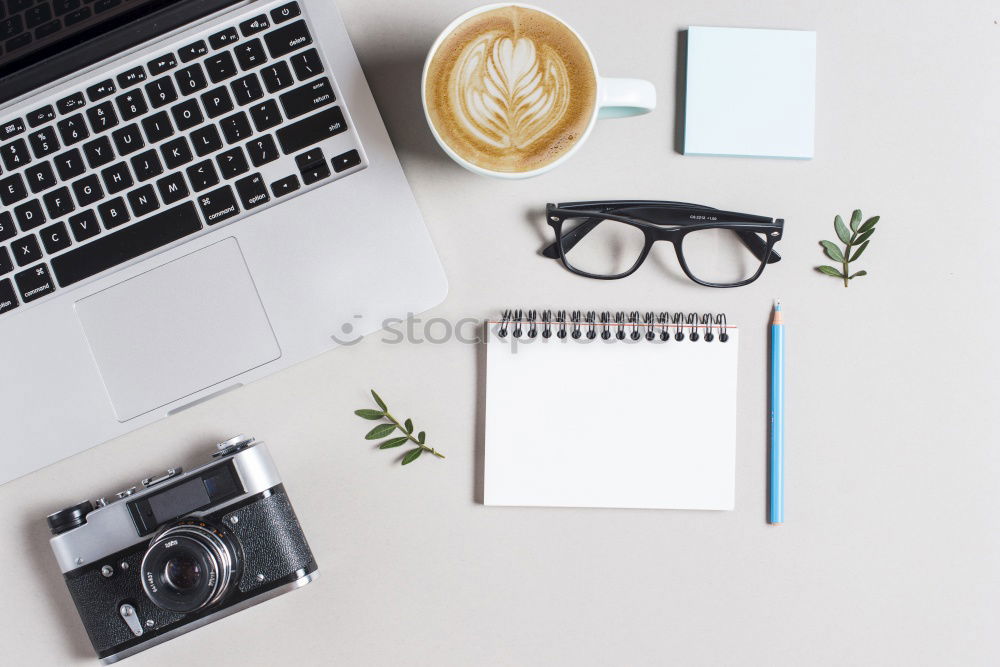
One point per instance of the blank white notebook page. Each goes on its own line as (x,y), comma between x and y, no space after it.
(593,423)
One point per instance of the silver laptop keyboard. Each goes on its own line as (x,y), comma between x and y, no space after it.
(204,134)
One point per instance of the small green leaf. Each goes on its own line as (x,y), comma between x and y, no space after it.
(861,249)
(370,414)
(380,431)
(408,425)
(859,273)
(830,271)
(869,224)
(412,455)
(864,237)
(378,399)
(394,442)
(842,233)
(856,219)
(421,437)
(832,251)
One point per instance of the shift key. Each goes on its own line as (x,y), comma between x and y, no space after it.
(312,96)
(311,130)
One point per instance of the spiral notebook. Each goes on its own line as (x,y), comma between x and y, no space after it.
(601,409)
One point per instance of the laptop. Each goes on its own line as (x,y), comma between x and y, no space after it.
(193,194)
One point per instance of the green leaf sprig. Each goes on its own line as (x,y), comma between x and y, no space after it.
(856,239)
(384,430)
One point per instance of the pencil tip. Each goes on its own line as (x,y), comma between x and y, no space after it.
(777,304)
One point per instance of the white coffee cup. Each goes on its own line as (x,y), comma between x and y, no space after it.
(616,98)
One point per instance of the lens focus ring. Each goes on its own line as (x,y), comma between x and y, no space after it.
(188,567)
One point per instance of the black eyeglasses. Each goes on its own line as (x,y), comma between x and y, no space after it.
(611,239)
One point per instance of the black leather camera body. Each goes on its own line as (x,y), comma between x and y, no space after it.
(186,550)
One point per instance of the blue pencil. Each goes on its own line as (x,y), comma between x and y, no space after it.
(776,514)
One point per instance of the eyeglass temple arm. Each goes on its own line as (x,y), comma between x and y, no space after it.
(571,238)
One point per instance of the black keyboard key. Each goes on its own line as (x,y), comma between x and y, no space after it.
(11,27)
(308,131)
(172,188)
(40,177)
(220,67)
(157,127)
(193,51)
(133,241)
(58,203)
(162,64)
(128,139)
(102,117)
(247,89)
(202,175)
(26,250)
(37,15)
(252,191)
(47,29)
(69,165)
(81,14)
(7,230)
(285,12)
(312,166)
(286,185)
(305,99)
(254,25)
(218,205)
(116,178)
(143,201)
(290,38)
(265,115)
(12,189)
(147,165)
(250,54)
(88,190)
(64,6)
(6,263)
(73,129)
(262,150)
(55,238)
(206,140)
(217,102)
(100,90)
(307,64)
(34,283)
(277,76)
(105,5)
(8,297)
(113,213)
(176,152)
(232,163)
(187,114)
(223,38)
(131,104)
(70,103)
(84,225)
(98,152)
(236,128)
(15,154)
(29,215)
(41,116)
(190,79)
(161,92)
(11,128)
(43,142)
(132,77)
(18,42)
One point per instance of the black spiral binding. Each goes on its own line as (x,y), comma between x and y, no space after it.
(576,324)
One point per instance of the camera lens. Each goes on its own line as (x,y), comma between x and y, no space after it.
(190,566)
(182,573)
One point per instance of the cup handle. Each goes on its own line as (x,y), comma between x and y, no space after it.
(620,98)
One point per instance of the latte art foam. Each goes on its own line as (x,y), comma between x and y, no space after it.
(511,89)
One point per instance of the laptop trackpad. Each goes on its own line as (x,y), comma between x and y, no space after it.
(177,329)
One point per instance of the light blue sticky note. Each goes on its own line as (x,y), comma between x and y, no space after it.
(750,92)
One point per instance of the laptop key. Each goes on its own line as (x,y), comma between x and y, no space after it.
(346,160)
(193,51)
(223,38)
(34,283)
(58,203)
(116,178)
(70,103)
(132,77)
(190,79)
(105,252)
(307,64)
(176,152)
(43,142)
(265,115)
(220,67)
(232,163)
(218,205)
(40,177)
(6,264)
(38,15)
(7,230)
(157,127)
(8,297)
(286,185)
(102,117)
(15,154)
(254,25)
(262,150)
(11,128)
(55,238)
(277,77)
(128,139)
(235,128)
(311,130)
(172,188)
(84,225)
(217,102)
(98,152)
(247,89)
(41,116)
(143,200)
(26,250)
(304,99)
(88,190)
(47,29)
(12,190)
(202,175)
(252,191)
(285,12)
(113,213)
(81,14)
(290,38)
(162,64)
(206,140)
(73,129)
(186,115)
(29,215)
(131,104)
(161,92)
(146,165)
(69,165)
(99,91)
(250,54)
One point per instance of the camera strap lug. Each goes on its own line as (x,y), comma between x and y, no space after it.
(127,612)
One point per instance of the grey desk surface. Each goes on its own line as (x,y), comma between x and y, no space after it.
(890,555)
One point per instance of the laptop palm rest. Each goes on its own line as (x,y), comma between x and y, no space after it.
(177,329)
